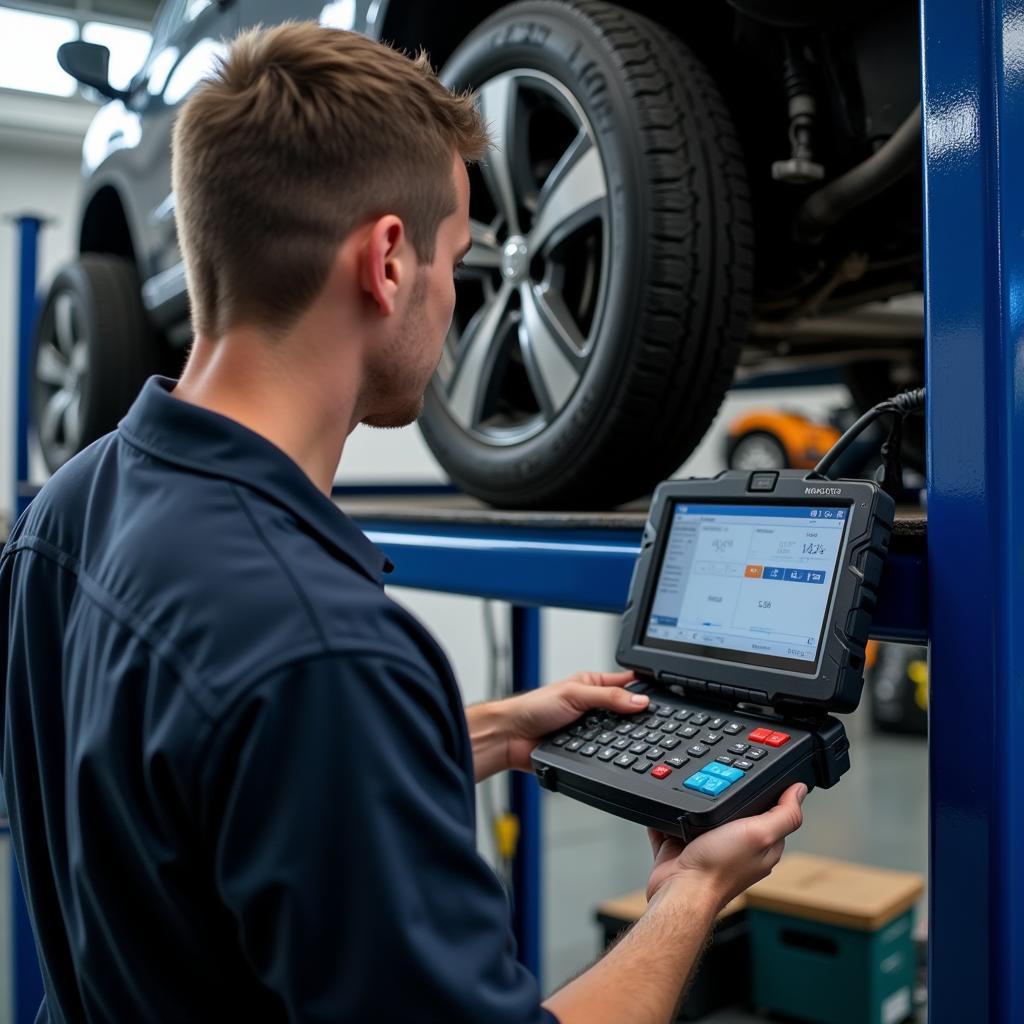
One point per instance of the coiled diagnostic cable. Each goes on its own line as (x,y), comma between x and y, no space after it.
(891,471)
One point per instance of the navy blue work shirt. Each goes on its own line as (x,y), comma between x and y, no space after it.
(238,775)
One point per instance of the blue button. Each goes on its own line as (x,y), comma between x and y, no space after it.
(723,771)
(713,786)
(697,780)
(815,577)
(797,575)
(773,572)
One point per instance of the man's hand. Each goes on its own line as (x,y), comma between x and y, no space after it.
(505,732)
(730,858)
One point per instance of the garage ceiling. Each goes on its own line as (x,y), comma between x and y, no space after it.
(138,12)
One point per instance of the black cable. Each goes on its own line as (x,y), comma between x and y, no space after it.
(899,406)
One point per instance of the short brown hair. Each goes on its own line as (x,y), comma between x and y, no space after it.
(302,134)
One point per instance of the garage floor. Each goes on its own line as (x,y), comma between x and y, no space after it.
(878,814)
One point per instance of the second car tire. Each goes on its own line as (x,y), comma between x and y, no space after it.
(658,346)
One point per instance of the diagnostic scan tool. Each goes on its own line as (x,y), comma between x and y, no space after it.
(747,620)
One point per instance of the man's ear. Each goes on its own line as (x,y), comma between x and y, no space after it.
(380,262)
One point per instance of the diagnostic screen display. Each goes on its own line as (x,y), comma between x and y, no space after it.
(747,583)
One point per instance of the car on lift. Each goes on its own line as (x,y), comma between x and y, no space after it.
(677,192)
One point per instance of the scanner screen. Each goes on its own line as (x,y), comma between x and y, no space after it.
(747,583)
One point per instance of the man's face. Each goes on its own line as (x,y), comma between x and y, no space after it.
(399,380)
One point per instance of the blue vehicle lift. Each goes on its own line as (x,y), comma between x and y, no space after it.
(966,593)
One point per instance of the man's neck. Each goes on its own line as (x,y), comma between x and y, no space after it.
(268,386)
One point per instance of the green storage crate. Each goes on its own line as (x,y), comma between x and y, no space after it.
(832,942)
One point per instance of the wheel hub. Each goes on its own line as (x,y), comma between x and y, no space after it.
(515,259)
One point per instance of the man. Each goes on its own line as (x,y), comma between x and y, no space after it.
(240,777)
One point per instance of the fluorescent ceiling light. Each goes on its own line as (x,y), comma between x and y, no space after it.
(28,52)
(128,48)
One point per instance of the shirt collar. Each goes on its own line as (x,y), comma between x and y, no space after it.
(205,442)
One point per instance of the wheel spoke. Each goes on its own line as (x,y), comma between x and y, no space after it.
(73,421)
(550,347)
(53,418)
(485,254)
(574,193)
(497,107)
(51,365)
(63,323)
(475,358)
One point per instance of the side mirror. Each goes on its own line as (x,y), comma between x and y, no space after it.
(89,64)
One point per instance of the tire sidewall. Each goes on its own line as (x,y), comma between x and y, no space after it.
(559,42)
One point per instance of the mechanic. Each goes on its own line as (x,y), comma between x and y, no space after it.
(239,776)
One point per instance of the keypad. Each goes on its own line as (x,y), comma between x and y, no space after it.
(646,745)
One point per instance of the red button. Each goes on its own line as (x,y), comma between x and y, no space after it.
(661,771)
(776,739)
(761,735)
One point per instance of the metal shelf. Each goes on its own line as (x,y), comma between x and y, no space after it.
(576,559)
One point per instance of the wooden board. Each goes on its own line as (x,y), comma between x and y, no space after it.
(836,892)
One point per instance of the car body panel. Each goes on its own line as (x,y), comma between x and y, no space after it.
(804,441)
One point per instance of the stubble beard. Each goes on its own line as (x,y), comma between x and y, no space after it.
(398,388)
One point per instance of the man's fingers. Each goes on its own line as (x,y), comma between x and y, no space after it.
(784,818)
(605,678)
(584,697)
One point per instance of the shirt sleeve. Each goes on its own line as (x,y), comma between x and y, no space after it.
(344,848)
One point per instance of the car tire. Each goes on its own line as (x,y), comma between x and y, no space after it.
(94,347)
(756,449)
(557,403)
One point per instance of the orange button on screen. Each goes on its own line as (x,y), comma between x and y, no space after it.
(754,572)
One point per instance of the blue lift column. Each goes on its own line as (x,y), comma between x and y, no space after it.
(974,251)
